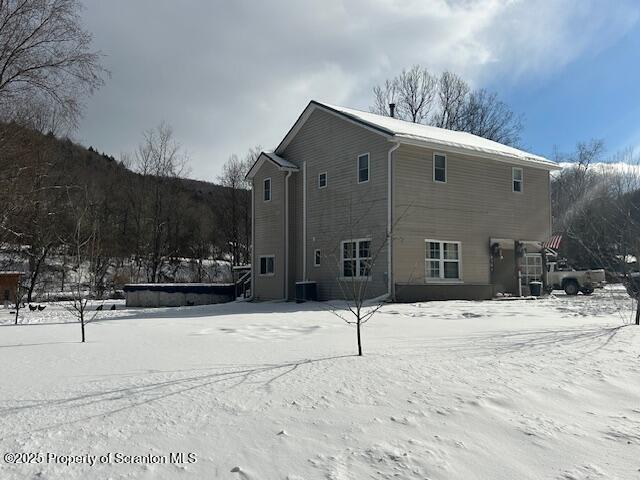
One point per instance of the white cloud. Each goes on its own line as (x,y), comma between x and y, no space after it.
(229,75)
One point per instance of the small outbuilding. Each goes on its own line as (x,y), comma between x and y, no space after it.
(178,294)
(9,283)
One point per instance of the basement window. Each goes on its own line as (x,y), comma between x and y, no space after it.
(517,179)
(267,265)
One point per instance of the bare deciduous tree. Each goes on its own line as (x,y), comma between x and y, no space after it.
(46,56)
(489,117)
(82,242)
(160,161)
(597,208)
(453,94)
(383,96)
(18,298)
(447,101)
(236,213)
(355,267)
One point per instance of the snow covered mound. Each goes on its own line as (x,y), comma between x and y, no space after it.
(446,390)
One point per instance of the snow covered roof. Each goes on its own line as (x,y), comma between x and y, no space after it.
(425,135)
(278,161)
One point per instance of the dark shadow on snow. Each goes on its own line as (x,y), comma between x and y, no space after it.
(145,393)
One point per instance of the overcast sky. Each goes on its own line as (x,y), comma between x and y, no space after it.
(228,75)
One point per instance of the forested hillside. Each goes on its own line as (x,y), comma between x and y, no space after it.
(134,219)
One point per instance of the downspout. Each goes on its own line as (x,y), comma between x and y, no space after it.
(304,221)
(286,236)
(390,285)
(253,241)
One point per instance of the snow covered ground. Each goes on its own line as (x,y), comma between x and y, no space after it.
(446,390)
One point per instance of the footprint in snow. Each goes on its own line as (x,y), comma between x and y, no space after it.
(244,475)
(401,420)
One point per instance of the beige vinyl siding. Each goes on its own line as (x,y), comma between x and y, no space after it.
(342,210)
(269,232)
(475,204)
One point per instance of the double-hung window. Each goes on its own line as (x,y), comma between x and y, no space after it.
(363,168)
(267,265)
(439,168)
(266,190)
(317,258)
(442,260)
(517,179)
(356,258)
(322,180)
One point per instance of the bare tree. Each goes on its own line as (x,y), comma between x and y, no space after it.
(160,161)
(489,117)
(447,101)
(577,183)
(453,92)
(600,215)
(384,95)
(355,283)
(413,92)
(46,56)
(82,242)
(354,265)
(19,296)
(235,215)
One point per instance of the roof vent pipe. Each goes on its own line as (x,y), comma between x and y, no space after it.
(392,110)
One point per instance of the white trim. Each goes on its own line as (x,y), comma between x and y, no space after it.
(253,241)
(446,167)
(278,162)
(304,221)
(260,266)
(286,235)
(306,113)
(513,179)
(523,266)
(356,258)
(264,190)
(442,260)
(368,167)
(390,284)
(316,254)
(326,180)
(408,140)
(531,163)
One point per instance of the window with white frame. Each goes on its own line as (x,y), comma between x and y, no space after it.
(531,268)
(363,168)
(442,260)
(322,180)
(267,265)
(356,258)
(517,179)
(439,167)
(266,190)
(317,258)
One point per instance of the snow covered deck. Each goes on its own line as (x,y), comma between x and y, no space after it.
(446,390)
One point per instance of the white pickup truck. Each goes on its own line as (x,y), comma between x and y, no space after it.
(562,277)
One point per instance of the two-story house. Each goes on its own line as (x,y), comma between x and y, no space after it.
(416,212)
